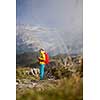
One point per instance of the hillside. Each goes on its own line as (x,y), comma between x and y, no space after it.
(63,79)
(30,58)
(26,59)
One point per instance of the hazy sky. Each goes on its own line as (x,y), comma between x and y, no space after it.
(61,14)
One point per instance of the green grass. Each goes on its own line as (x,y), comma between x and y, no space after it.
(63,89)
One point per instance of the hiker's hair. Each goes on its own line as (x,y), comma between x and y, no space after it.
(42,49)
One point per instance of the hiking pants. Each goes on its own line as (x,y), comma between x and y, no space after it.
(42,71)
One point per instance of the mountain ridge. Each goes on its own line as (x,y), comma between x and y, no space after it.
(32,38)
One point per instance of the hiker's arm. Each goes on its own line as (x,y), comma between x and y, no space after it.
(42,58)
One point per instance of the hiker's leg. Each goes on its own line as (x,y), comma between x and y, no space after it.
(41,71)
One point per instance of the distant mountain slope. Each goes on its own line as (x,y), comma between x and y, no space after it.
(31,38)
(26,59)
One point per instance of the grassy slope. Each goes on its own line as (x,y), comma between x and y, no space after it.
(62,89)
